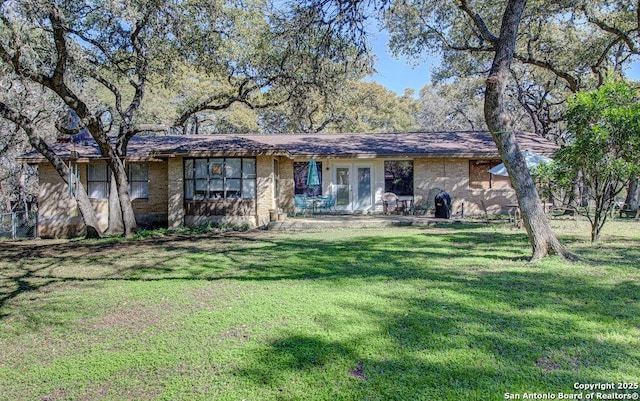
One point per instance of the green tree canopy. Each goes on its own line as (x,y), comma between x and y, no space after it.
(212,54)
(355,107)
(603,149)
(561,47)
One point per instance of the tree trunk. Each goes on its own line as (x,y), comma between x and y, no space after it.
(126,206)
(633,193)
(122,181)
(117,168)
(575,195)
(84,204)
(597,223)
(116,225)
(542,238)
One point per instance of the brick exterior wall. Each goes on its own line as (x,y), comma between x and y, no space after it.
(452,175)
(266,177)
(287,185)
(153,210)
(58,216)
(175,193)
(265,180)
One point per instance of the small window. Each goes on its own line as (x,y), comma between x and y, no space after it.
(138,175)
(481,178)
(98,181)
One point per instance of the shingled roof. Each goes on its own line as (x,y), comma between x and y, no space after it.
(460,144)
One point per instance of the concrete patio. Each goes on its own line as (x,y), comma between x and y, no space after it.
(353,221)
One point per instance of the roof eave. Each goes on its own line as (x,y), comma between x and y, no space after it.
(221,153)
(389,155)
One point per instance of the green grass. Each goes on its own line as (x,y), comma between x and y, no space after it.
(432,313)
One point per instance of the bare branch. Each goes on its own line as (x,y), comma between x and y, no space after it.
(116,63)
(110,86)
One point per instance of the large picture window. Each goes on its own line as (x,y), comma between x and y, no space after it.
(398,177)
(220,178)
(98,181)
(481,178)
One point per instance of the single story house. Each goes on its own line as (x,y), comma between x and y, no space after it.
(239,179)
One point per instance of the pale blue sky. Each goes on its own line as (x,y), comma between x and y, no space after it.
(397,75)
(633,72)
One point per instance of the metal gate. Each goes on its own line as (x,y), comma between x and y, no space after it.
(19,225)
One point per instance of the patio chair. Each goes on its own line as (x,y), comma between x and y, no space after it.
(328,205)
(301,204)
(391,203)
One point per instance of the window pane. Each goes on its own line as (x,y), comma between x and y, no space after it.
(216,185)
(201,189)
(188,168)
(300,177)
(217,167)
(249,189)
(188,189)
(248,168)
(98,190)
(138,180)
(97,172)
(233,168)
(138,172)
(98,181)
(139,190)
(201,168)
(233,185)
(217,178)
(300,174)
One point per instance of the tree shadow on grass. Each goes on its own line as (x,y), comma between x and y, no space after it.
(441,357)
(427,254)
(477,322)
(456,338)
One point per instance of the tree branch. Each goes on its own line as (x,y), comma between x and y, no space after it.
(69,131)
(572,82)
(110,86)
(142,64)
(623,36)
(478,22)
(115,62)
(61,46)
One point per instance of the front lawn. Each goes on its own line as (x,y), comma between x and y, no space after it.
(447,312)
